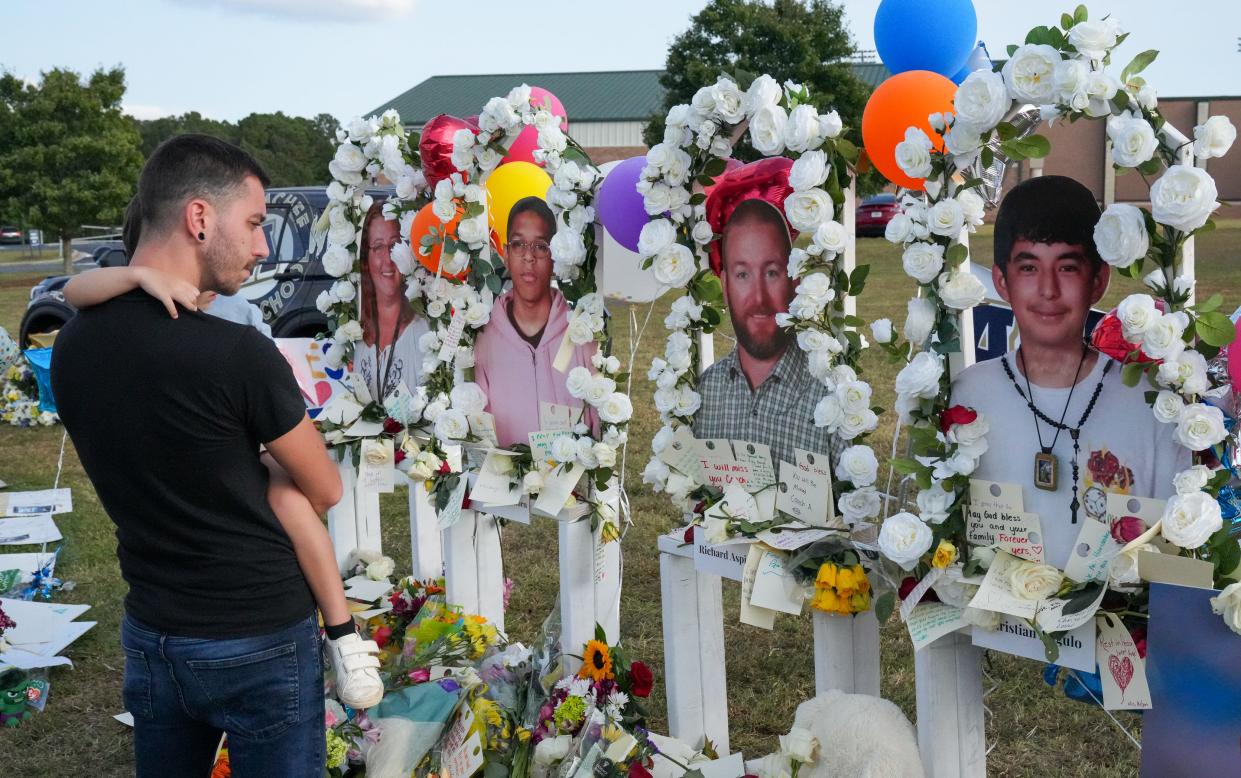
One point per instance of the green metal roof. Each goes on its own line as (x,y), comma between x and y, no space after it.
(613,95)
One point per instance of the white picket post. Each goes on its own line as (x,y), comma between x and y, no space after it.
(608,567)
(366,514)
(711,664)
(426,546)
(951,727)
(577,588)
(461,563)
(846,653)
(342,523)
(489,563)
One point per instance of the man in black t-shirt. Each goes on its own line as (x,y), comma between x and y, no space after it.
(168,415)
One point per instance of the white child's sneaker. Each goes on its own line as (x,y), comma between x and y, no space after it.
(357,677)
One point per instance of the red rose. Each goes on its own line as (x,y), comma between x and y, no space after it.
(636,770)
(957,414)
(444,468)
(908,585)
(392,426)
(1109,338)
(641,679)
(400,456)
(1139,640)
(1127,528)
(689,534)
(382,635)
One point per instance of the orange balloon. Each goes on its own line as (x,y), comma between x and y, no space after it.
(904,100)
(426,226)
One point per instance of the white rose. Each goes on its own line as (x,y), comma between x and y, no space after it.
(452,425)
(828,412)
(817,286)
(1029,73)
(586,453)
(800,745)
(1228,604)
(472,231)
(1192,480)
(971,439)
(1120,235)
(532,482)
(1123,572)
(899,229)
(578,381)
(674,266)
(854,396)
(1035,581)
(656,235)
(981,101)
(1168,406)
(617,409)
(658,199)
(767,130)
(881,330)
(1189,520)
(567,247)
(1101,87)
(830,125)
(468,398)
(325,301)
(604,454)
(934,503)
(350,158)
(973,207)
(913,155)
(763,91)
(904,538)
(961,290)
(807,210)
(380,569)
(1133,140)
(564,448)
(1162,338)
(350,330)
(337,261)
(964,144)
(729,101)
(1200,427)
(552,750)
(1136,312)
(860,504)
(808,171)
(686,402)
(920,378)
(343,290)
(1214,137)
(676,172)
(801,132)
(858,465)
(599,389)
(923,261)
(832,237)
(1183,198)
(1093,39)
(919,320)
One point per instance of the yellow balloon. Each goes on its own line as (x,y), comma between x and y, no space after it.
(508,184)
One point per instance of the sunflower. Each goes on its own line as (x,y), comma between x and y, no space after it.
(596,661)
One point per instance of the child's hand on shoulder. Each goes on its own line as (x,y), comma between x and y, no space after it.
(168,289)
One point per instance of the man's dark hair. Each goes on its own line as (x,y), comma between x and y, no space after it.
(132,228)
(190,166)
(537,206)
(1047,209)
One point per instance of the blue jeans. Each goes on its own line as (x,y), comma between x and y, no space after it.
(266,692)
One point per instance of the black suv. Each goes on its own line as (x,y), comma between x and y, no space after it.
(284,286)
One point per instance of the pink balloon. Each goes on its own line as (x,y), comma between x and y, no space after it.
(527,140)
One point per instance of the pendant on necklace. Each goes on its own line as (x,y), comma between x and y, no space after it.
(1045,469)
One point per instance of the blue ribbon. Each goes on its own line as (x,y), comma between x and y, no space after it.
(43,583)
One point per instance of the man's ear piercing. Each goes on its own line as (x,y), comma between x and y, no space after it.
(202,236)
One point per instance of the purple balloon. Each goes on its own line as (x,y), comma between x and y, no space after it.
(618,204)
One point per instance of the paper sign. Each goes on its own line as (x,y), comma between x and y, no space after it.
(681,453)
(48,501)
(788,539)
(805,490)
(996,496)
(28,529)
(497,482)
(1148,509)
(1121,669)
(757,458)
(452,337)
(483,427)
(996,592)
(1052,618)
(775,587)
(1017,532)
(462,754)
(930,621)
(452,455)
(1015,636)
(719,467)
(25,564)
(765,499)
(557,486)
(725,560)
(1156,568)
(541,445)
(364,589)
(452,511)
(1092,553)
(752,614)
(728,767)
(375,467)
(399,405)
(554,417)
(364,429)
(563,354)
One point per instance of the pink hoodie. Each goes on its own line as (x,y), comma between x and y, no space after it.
(516,377)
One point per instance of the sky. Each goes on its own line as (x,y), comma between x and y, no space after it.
(229,58)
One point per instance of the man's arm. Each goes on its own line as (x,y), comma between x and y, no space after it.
(301,453)
(100,285)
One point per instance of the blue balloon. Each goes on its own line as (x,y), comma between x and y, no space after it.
(935,35)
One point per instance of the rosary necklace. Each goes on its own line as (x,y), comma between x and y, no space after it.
(1045,462)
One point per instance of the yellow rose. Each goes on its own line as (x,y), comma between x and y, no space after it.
(827,575)
(825,600)
(945,554)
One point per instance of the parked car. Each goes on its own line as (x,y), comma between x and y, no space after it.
(874,213)
(283,286)
(10,234)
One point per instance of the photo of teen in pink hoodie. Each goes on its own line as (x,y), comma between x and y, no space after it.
(513,354)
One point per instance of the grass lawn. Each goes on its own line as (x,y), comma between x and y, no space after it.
(1033,730)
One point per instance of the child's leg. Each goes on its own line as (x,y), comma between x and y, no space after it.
(310,542)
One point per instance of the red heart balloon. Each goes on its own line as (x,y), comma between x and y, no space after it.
(323,392)
(435,146)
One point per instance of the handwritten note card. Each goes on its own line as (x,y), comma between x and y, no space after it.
(719,467)
(752,614)
(1092,554)
(554,417)
(1017,532)
(681,454)
(805,490)
(375,467)
(774,585)
(757,457)
(930,621)
(996,592)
